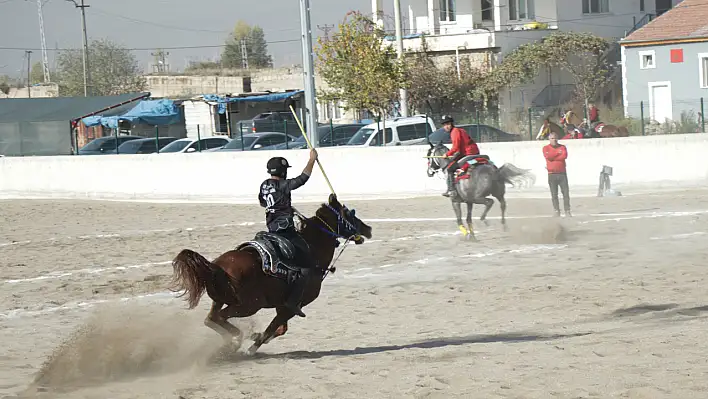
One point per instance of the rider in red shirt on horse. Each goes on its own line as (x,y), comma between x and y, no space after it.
(462,146)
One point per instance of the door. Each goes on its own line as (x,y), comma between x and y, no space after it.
(660,108)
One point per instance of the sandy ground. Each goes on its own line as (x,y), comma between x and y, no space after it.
(608,304)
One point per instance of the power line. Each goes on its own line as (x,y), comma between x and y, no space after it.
(153,48)
(173,27)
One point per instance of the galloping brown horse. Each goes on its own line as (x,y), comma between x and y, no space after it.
(254,275)
(601,129)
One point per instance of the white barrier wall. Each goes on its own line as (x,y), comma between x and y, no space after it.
(354,172)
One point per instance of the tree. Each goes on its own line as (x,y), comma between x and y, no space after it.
(358,68)
(37,73)
(114,70)
(582,56)
(431,85)
(256,48)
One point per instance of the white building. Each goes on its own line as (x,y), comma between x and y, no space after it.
(486,30)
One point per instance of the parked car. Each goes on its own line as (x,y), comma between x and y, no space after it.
(192,145)
(256,141)
(479,133)
(398,131)
(329,136)
(278,121)
(105,145)
(145,145)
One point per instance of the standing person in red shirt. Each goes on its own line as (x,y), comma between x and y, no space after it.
(462,146)
(556,154)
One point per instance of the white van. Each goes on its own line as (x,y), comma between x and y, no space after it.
(399,131)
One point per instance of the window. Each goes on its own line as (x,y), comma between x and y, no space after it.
(411,132)
(596,6)
(521,9)
(487,10)
(647,59)
(447,10)
(214,143)
(703,70)
(388,134)
(641,5)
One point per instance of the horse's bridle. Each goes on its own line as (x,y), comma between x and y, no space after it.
(342,223)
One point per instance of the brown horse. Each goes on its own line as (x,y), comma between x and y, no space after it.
(602,129)
(551,128)
(254,275)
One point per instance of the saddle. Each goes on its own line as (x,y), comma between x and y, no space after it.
(277,255)
(470,161)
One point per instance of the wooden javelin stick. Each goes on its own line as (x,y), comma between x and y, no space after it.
(310,146)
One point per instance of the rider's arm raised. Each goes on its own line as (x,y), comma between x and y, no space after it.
(299,181)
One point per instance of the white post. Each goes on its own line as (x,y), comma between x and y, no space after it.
(377,12)
(432,17)
(309,73)
(399,43)
(497,15)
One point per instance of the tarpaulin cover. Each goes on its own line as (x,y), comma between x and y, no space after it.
(275,97)
(151,112)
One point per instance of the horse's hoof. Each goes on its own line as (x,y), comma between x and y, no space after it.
(252,350)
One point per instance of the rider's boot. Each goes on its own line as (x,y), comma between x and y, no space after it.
(296,292)
(450,185)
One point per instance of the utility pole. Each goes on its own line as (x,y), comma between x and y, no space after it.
(45,58)
(244,54)
(161,66)
(309,72)
(399,43)
(326,29)
(29,72)
(87,70)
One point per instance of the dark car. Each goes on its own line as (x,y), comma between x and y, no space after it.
(256,141)
(329,136)
(105,145)
(479,133)
(144,145)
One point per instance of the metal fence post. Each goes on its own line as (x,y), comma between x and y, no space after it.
(530,125)
(240,131)
(641,115)
(199,139)
(703,117)
(427,129)
(116,135)
(157,139)
(285,132)
(331,133)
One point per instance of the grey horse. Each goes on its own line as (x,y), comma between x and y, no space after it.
(484,179)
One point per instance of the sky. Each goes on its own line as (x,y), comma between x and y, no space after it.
(152,24)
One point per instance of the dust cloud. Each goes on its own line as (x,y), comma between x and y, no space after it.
(123,342)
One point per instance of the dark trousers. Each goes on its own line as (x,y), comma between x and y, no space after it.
(556,180)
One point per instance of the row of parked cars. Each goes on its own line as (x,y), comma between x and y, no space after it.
(399,131)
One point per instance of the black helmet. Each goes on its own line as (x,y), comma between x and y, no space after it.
(278,166)
(447,119)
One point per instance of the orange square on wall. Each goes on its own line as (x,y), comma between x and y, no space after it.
(676,55)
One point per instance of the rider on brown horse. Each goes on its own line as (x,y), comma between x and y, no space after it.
(275,197)
(462,145)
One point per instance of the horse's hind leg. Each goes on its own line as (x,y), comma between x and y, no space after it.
(216,322)
(502,205)
(488,204)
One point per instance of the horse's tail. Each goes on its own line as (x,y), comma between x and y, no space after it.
(514,175)
(191,274)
